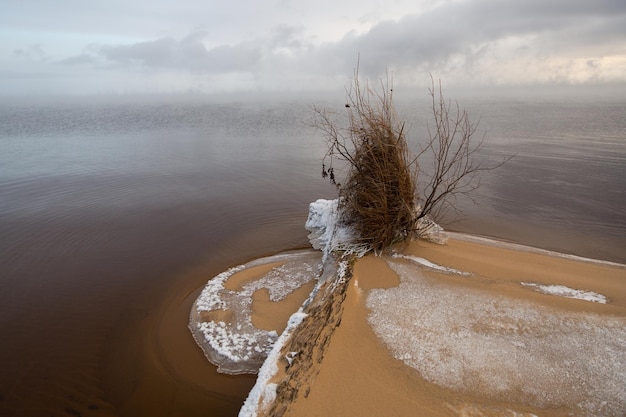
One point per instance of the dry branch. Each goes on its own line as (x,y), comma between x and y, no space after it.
(379,196)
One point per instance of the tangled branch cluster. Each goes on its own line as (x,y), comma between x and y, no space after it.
(378,198)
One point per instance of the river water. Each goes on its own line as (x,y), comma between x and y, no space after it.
(114,212)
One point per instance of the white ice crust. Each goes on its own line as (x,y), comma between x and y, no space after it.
(504,348)
(428,230)
(236,346)
(428,264)
(264,392)
(322,223)
(328,236)
(328,233)
(563,291)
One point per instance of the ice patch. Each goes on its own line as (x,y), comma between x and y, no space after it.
(284,279)
(428,230)
(503,348)
(325,235)
(328,233)
(234,345)
(240,346)
(474,410)
(428,264)
(563,291)
(263,394)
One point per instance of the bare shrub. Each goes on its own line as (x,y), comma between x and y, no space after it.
(379,197)
(452,149)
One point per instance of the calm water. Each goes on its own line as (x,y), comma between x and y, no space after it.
(565,189)
(113,214)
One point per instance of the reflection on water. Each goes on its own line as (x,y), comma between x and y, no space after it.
(564,188)
(106,223)
(113,215)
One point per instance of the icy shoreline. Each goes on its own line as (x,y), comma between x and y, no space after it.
(264,392)
(491,241)
(328,236)
(220,319)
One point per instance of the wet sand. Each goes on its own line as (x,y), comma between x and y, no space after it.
(359,375)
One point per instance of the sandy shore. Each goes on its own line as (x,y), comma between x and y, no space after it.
(360,374)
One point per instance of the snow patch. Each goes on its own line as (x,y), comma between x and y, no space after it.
(475,410)
(428,264)
(428,230)
(234,345)
(328,233)
(563,291)
(263,394)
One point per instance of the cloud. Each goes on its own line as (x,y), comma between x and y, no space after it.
(466,28)
(157,53)
(241,57)
(82,59)
(474,42)
(34,52)
(189,53)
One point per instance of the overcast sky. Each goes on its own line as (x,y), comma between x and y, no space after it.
(145,46)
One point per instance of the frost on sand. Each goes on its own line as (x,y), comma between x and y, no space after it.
(567,292)
(503,348)
(221,319)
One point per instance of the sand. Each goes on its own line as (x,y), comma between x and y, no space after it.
(357,373)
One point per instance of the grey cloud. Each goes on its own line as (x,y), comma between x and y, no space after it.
(462,37)
(287,36)
(82,59)
(189,53)
(592,63)
(33,51)
(241,57)
(158,53)
(466,27)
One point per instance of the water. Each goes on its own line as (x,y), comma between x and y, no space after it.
(112,217)
(564,189)
(115,212)
(568,175)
